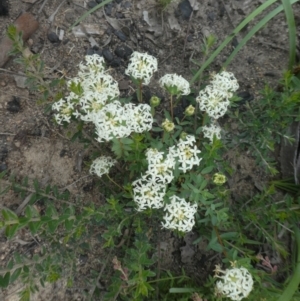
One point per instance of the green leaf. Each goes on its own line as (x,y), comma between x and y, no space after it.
(52,225)
(181,290)
(11,230)
(207,169)
(69,224)
(9,215)
(15,275)
(4,281)
(34,226)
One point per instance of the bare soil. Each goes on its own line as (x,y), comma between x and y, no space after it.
(32,146)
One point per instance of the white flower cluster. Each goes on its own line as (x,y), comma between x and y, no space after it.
(141,66)
(214,99)
(186,153)
(175,84)
(95,100)
(179,215)
(150,189)
(101,165)
(236,283)
(209,131)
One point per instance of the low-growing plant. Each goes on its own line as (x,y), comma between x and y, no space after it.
(167,173)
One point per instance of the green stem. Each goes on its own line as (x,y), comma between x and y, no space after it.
(114,182)
(140,91)
(171,106)
(295,281)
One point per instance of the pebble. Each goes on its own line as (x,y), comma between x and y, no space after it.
(245,97)
(107,55)
(92,4)
(119,1)
(3,83)
(116,62)
(126,5)
(3,153)
(123,52)
(14,106)
(185,9)
(120,35)
(3,167)
(53,37)
(108,8)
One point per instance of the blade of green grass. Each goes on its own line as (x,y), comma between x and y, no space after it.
(292,31)
(256,28)
(295,280)
(89,12)
(248,19)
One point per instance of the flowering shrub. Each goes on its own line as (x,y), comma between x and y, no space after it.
(167,173)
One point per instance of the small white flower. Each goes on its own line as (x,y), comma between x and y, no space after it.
(101,84)
(209,131)
(225,81)
(161,171)
(179,215)
(139,117)
(111,122)
(175,84)
(94,64)
(148,194)
(141,66)
(186,153)
(168,125)
(154,156)
(236,283)
(65,108)
(213,101)
(101,165)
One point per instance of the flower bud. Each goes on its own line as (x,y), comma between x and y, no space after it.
(189,111)
(168,125)
(219,179)
(183,135)
(154,101)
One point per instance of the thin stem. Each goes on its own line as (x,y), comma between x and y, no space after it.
(140,91)
(220,241)
(114,182)
(171,106)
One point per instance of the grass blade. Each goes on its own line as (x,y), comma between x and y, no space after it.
(292,31)
(248,19)
(89,12)
(256,28)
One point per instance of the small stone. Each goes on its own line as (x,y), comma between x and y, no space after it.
(52,37)
(126,5)
(116,62)
(107,55)
(245,97)
(3,153)
(3,83)
(124,52)
(185,9)
(108,8)
(14,106)
(119,1)
(119,15)
(92,4)
(30,42)
(120,35)
(90,51)
(3,167)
